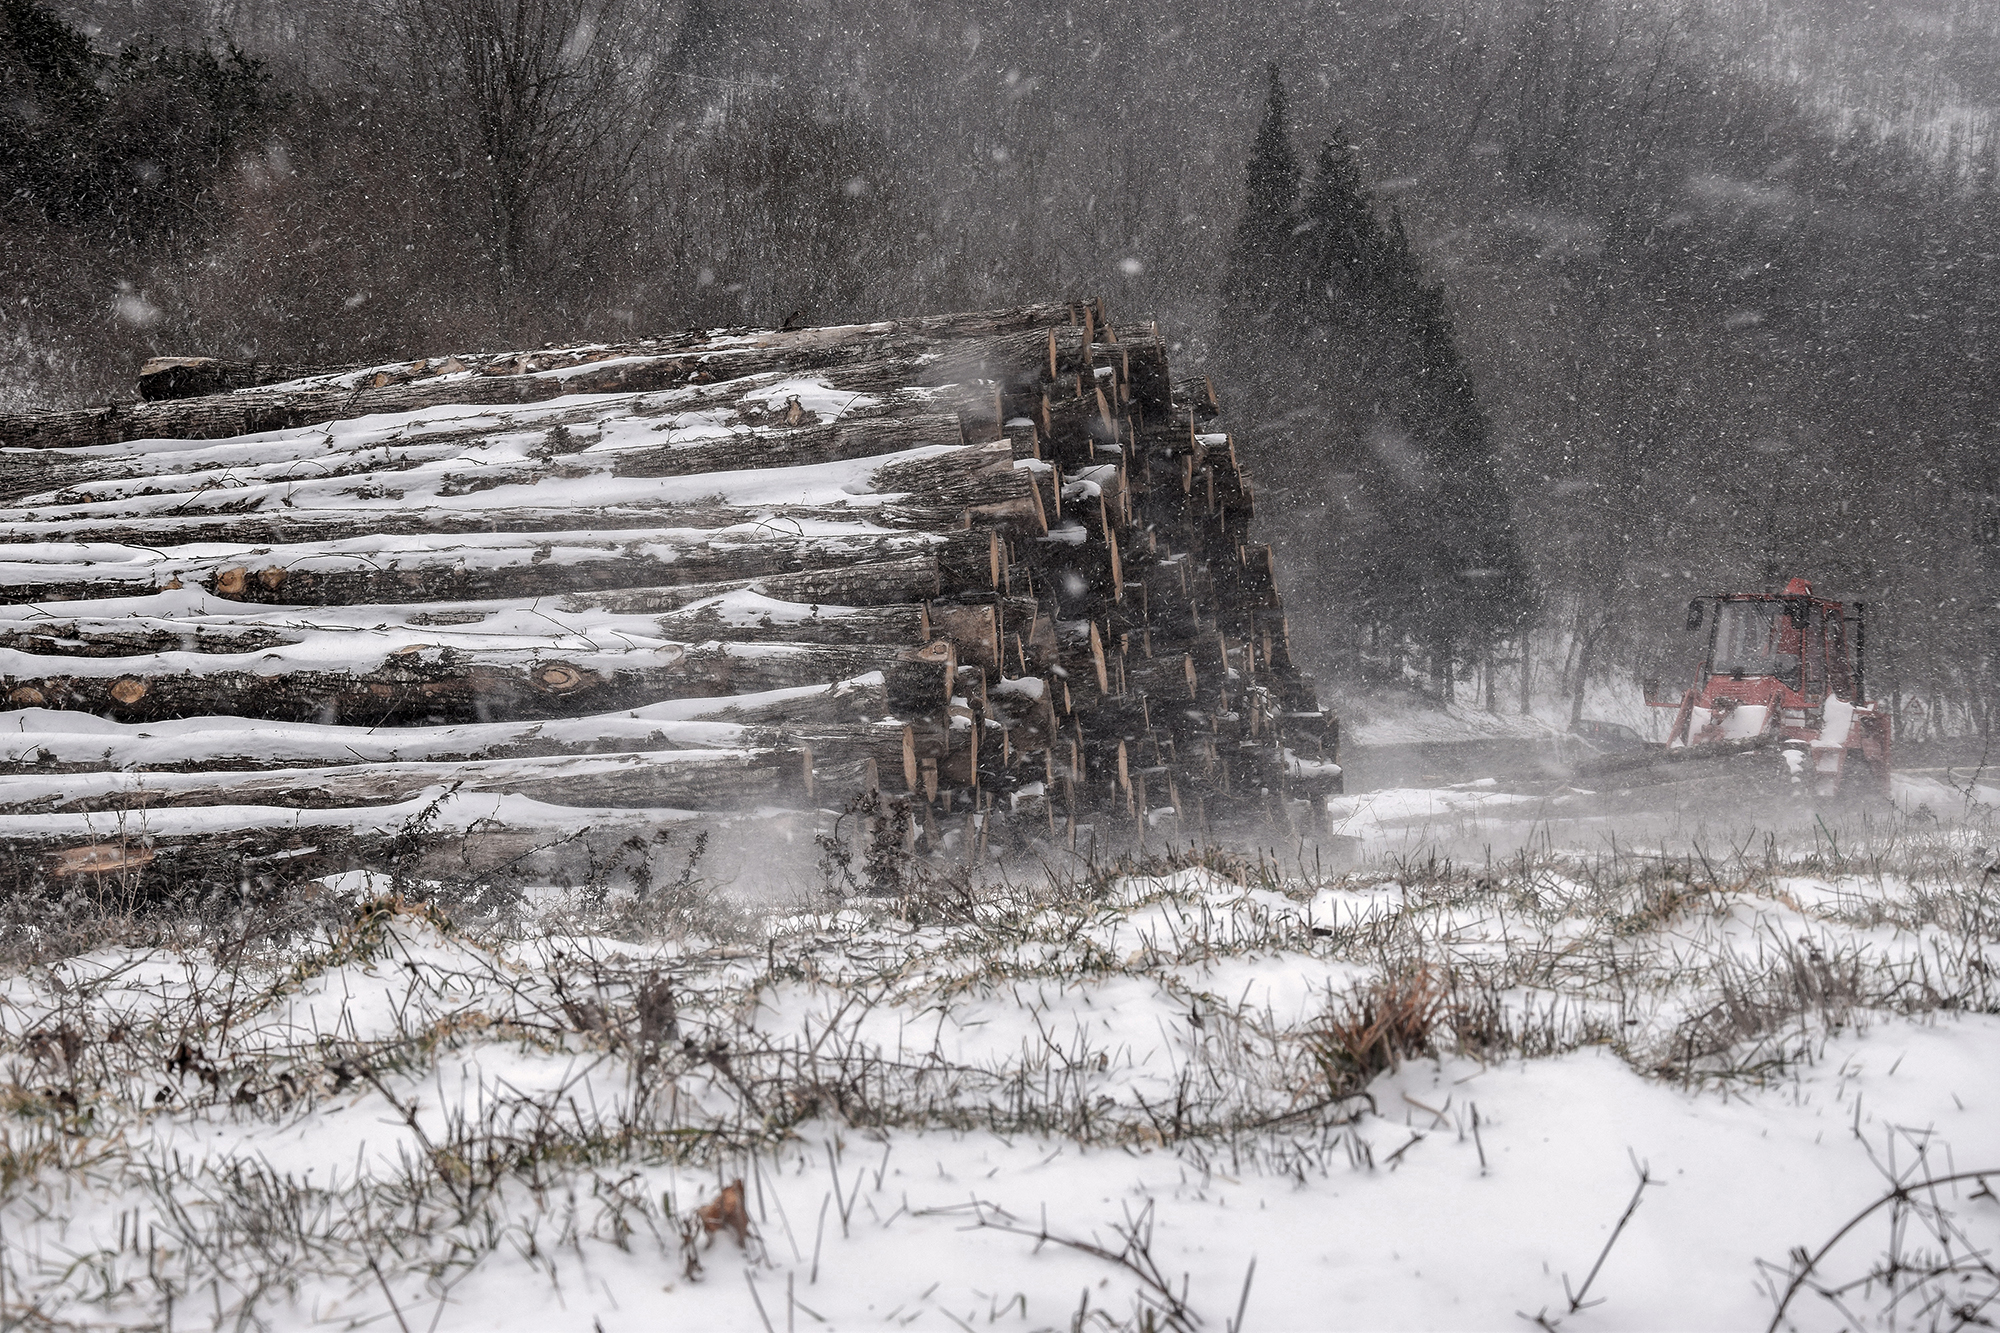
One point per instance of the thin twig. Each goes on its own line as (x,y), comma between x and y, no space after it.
(1243,1301)
(1900,1194)
(1576,1301)
(394,1309)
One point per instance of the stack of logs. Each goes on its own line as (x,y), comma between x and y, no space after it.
(976,583)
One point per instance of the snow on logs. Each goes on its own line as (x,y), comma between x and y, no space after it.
(985,579)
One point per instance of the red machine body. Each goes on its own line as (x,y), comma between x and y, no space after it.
(1783,671)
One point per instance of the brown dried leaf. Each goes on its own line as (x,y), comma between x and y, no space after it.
(725,1212)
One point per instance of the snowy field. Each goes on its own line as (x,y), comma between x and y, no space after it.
(1423,1091)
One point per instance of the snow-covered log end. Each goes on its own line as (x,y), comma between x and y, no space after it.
(942,590)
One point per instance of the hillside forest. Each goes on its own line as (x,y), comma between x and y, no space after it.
(1534,318)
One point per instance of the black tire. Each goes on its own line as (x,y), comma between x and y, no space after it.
(1863,782)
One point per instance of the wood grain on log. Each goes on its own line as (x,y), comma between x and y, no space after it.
(1006,358)
(688,779)
(841,719)
(424,686)
(499,586)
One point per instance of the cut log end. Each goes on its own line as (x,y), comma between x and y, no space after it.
(1114,647)
(563,678)
(105,858)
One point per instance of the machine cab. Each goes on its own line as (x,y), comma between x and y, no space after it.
(1798,643)
(1783,672)
(1779,666)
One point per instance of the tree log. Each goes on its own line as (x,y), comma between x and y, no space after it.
(1145,371)
(425,687)
(295,470)
(736,617)
(862,437)
(192,376)
(1004,358)
(976,485)
(958,563)
(524,565)
(300,526)
(840,571)
(1197,394)
(839,721)
(688,779)
(465,836)
(167,377)
(932,486)
(708,780)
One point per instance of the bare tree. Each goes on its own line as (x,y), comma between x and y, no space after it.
(549,103)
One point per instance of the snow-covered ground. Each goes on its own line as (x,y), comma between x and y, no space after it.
(1219,1095)
(1484,816)
(1385,714)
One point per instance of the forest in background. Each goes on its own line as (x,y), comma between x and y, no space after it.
(1723,279)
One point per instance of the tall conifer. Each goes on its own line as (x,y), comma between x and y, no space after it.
(1260,274)
(1345,354)
(1337,221)
(1426,545)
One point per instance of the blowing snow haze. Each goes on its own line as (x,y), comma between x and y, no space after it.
(1720,277)
(1046,620)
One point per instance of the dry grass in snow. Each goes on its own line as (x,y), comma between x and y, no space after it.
(1197,1094)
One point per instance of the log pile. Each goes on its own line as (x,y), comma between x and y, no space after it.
(965,584)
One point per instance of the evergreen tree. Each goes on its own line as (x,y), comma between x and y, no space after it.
(1338,221)
(132,147)
(1258,310)
(1421,540)
(1476,585)
(1371,539)
(1260,275)
(50,109)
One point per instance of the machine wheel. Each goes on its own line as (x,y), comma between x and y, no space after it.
(1863,781)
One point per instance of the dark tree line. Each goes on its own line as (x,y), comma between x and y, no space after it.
(1588,275)
(124,148)
(1358,395)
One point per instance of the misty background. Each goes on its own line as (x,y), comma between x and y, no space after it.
(1579,308)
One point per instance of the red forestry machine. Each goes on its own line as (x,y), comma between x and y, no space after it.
(1782,678)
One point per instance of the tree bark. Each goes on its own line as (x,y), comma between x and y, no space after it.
(784,435)
(1586,659)
(716,619)
(503,567)
(1007,358)
(976,486)
(415,688)
(231,848)
(685,779)
(839,722)
(168,377)
(955,564)
(917,489)
(845,439)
